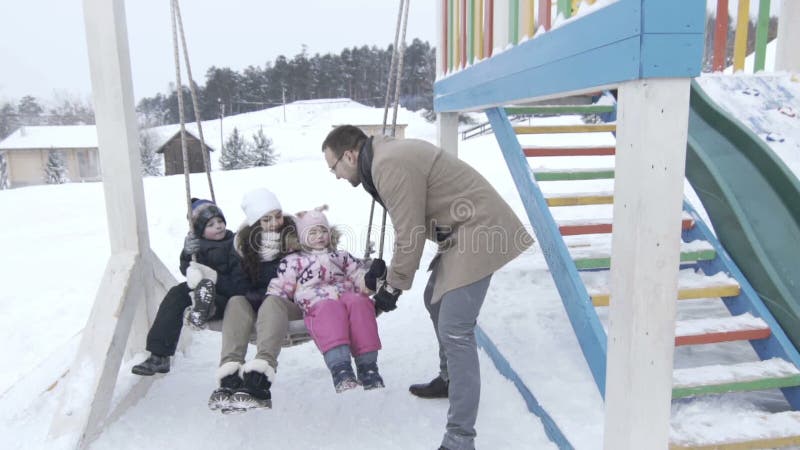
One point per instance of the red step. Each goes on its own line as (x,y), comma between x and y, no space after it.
(744,327)
(604,228)
(568,151)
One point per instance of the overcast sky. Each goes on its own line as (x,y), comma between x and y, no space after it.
(43,48)
(43,45)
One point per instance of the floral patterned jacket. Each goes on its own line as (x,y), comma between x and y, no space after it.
(310,276)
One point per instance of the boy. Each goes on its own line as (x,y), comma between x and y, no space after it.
(214,277)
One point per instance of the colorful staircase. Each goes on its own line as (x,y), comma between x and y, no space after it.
(578,253)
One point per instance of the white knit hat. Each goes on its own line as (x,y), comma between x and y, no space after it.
(257,203)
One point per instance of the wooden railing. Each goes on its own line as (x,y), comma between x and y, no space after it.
(472,29)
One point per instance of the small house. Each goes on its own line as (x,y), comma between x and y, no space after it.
(28,148)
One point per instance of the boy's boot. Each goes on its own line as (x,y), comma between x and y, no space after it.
(369,377)
(203,306)
(343,377)
(436,388)
(152,365)
(254,392)
(229,380)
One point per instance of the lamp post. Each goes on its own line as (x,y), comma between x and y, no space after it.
(221,115)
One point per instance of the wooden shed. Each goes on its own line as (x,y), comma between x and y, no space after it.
(173,154)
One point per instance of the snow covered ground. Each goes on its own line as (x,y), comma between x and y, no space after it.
(57,236)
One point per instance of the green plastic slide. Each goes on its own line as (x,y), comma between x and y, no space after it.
(753,201)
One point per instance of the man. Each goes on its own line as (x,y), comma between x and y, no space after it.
(431,194)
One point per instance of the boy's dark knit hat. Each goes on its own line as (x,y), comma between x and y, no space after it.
(203,211)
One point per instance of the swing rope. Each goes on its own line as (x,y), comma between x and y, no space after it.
(398,52)
(195,102)
(176,23)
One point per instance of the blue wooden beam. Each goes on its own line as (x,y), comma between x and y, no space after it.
(626,40)
(578,305)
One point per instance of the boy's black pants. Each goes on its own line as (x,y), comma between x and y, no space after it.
(162,339)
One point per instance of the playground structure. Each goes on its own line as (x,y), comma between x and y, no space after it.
(500,56)
(649,50)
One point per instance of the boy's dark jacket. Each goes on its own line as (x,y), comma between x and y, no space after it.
(223,258)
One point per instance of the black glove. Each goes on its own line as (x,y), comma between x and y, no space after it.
(377,271)
(386,298)
(191,244)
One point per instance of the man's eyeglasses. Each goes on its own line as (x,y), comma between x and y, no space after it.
(333,167)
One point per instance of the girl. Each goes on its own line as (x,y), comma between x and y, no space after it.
(330,287)
(266,236)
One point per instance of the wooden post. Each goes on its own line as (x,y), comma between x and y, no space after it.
(442,46)
(447,132)
(446,123)
(133,272)
(648,194)
(787,57)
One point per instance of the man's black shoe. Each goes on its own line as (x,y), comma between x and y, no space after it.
(437,388)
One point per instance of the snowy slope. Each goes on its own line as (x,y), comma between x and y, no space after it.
(57,235)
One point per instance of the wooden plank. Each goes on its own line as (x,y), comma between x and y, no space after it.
(787,58)
(500,33)
(720,36)
(761,35)
(561,109)
(513,22)
(778,442)
(778,345)
(605,262)
(551,129)
(568,151)
(582,315)
(463,28)
(574,174)
(772,430)
(580,200)
(570,229)
(445,43)
(723,336)
(545,6)
(750,385)
(488,28)
(564,8)
(603,299)
(740,40)
(558,61)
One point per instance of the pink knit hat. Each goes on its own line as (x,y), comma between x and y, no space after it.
(306,220)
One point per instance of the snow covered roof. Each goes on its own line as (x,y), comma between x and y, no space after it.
(53,136)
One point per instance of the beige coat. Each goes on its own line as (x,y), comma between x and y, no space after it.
(428,192)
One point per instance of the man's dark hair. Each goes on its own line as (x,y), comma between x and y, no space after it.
(343,138)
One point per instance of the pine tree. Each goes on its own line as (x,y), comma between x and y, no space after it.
(151,163)
(55,172)
(235,153)
(262,153)
(4,184)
